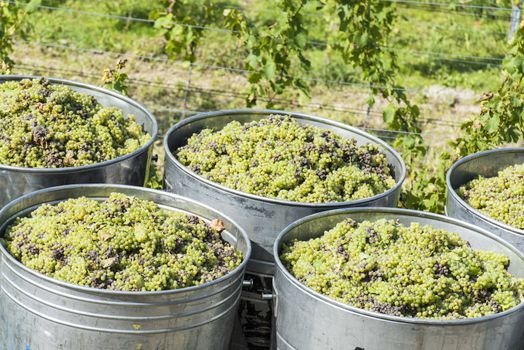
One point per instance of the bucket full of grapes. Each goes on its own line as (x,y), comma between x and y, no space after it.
(112,267)
(56,132)
(487,190)
(396,279)
(266,169)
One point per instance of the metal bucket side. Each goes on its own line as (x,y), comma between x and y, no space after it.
(263,218)
(487,164)
(43,313)
(130,169)
(307,320)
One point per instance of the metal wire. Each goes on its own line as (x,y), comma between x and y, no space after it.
(454,12)
(124,18)
(449,4)
(454,27)
(181,87)
(440,56)
(361,85)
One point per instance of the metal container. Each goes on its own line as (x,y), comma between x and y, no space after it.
(263,218)
(486,164)
(42,313)
(307,320)
(130,169)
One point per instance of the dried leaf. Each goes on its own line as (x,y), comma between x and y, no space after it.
(217,225)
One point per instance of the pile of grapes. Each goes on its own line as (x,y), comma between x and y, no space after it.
(278,157)
(412,271)
(44,125)
(122,243)
(500,197)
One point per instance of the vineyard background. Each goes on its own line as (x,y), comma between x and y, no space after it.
(192,58)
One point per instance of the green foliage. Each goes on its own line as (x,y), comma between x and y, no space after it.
(182,25)
(500,122)
(155,173)
(362,33)
(501,118)
(115,78)
(155,179)
(354,40)
(133,8)
(11,21)
(275,53)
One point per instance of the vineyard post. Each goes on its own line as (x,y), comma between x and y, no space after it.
(515,19)
(188,88)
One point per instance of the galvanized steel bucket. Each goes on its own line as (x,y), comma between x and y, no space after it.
(307,320)
(486,164)
(130,169)
(42,313)
(263,218)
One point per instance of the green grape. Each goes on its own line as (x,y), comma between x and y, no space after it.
(44,125)
(411,271)
(122,243)
(278,157)
(500,197)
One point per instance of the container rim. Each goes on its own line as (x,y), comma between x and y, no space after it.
(452,192)
(58,81)
(200,116)
(116,188)
(372,314)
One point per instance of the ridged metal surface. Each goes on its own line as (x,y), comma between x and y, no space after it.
(307,320)
(262,218)
(486,164)
(130,169)
(41,313)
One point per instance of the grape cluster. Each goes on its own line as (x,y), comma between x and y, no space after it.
(278,157)
(500,197)
(411,271)
(44,125)
(122,243)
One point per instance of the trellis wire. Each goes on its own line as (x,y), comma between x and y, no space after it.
(361,85)
(183,87)
(441,56)
(450,4)
(180,87)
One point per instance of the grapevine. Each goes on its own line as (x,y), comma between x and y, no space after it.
(116,78)
(11,23)
(360,31)
(275,54)
(501,121)
(182,25)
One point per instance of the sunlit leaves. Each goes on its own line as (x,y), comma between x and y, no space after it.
(11,23)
